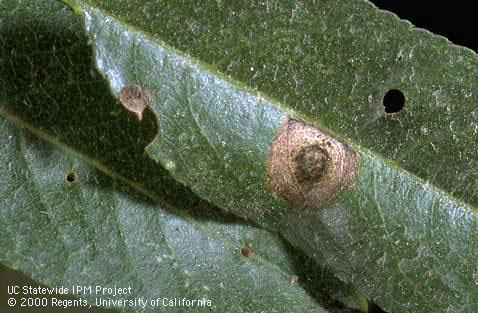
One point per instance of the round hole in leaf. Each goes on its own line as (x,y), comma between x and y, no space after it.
(393,101)
(71,177)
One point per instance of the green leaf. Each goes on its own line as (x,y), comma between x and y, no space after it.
(333,62)
(91,232)
(406,233)
(85,206)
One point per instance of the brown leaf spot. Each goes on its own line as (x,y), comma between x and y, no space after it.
(309,167)
(294,279)
(135,99)
(310,163)
(246,251)
(429,274)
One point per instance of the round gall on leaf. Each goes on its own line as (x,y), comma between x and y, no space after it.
(309,167)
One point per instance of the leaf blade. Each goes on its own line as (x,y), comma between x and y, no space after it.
(344,58)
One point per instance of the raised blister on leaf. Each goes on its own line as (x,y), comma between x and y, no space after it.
(309,167)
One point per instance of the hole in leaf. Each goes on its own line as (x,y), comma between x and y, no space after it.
(246,251)
(458,32)
(71,177)
(393,101)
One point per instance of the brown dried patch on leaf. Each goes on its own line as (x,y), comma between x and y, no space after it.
(135,99)
(309,167)
(294,279)
(246,251)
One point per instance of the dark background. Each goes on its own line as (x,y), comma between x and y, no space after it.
(455,20)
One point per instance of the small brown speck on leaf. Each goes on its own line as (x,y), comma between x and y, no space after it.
(294,279)
(246,251)
(429,274)
(309,167)
(135,99)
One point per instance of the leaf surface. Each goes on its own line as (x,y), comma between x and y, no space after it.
(404,234)
(92,232)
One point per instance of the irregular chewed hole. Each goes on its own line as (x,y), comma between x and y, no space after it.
(71,177)
(246,251)
(393,101)
(310,163)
